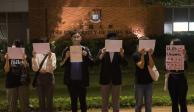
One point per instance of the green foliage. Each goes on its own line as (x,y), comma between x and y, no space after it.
(3,48)
(62,103)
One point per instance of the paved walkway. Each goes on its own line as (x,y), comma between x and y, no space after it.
(155,109)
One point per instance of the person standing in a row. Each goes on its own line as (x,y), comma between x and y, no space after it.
(76,74)
(177,84)
(111,75)
(143,79)
(17,88)
(45,79)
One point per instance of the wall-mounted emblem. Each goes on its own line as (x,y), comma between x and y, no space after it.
(95,16)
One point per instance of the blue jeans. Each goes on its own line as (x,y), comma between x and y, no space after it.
(143,91)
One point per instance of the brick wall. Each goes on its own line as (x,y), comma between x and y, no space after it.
(55,18)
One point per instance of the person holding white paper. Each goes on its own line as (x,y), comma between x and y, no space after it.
(76,73)
(143,80)
(176,83)
(17,81)
(111,75)
(45,78)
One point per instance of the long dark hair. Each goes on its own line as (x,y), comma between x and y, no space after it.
(176,41)
(17,43)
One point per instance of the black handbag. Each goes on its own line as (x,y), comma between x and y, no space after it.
(34,83)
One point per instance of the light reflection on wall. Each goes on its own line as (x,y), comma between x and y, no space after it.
(138,31)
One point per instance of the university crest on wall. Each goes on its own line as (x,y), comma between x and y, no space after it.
(95,16)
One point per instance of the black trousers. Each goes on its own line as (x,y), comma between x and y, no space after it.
(77,91)
(178,87)
(45,92)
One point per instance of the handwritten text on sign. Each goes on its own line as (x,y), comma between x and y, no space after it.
(175,57)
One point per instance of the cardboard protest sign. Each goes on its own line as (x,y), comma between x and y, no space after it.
(175,57)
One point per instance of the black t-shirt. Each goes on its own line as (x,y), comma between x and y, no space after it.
(142,76)
(13,76)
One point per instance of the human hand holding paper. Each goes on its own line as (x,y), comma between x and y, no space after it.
(84,53)
(122,52)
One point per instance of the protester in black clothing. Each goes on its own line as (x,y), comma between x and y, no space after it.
(17,81)
(76,74)
(111,75)
(177,84)
(143,81)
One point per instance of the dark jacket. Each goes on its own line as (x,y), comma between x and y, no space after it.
(87,61)
(111,71)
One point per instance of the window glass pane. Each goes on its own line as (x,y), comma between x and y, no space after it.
(167,28)
(180,14)
(168,14)
(191,26)
(192,14)
(180,26)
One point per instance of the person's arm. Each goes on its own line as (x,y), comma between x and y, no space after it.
(65,57)
(151,61)
(87,56)
(140,62)
(35,65)
(24,61)
(6,66)
(51,62)
(102,53)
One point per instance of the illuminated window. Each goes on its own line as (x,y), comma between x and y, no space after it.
(180,26)
(168,28)
(191,26)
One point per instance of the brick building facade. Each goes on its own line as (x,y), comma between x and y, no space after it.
(55,18)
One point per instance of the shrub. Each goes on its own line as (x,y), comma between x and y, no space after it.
(62,103)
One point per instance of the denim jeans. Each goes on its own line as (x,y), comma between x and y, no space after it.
(143,91)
